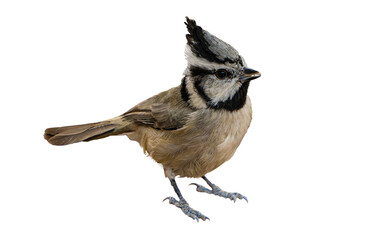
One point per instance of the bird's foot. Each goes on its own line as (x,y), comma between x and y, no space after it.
(218,192)
(194,214)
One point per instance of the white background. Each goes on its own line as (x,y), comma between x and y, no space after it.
(306,164)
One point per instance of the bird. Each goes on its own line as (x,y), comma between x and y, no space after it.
(190,129)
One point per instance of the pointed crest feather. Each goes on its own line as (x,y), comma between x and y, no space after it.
(205,45)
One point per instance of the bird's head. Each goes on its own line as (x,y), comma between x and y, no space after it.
(216,76)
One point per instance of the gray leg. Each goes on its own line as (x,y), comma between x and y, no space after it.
(217,191)
(183,204)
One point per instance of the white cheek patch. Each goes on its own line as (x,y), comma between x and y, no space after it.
(223,92)
(219,90)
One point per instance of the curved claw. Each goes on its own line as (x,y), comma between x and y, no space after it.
(240,196)
(169,198)
(172,200)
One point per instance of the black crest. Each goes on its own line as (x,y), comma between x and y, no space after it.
(207,46)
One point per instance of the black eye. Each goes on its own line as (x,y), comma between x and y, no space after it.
(221,73)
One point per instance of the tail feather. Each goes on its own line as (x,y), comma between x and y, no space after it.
(85,132)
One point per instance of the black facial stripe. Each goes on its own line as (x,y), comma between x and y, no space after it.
(184,93)
(197,71)
(201,91)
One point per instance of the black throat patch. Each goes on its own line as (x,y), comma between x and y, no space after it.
(235,103)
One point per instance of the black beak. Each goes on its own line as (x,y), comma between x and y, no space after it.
(249,74)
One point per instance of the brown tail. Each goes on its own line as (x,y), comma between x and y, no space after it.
(85,132)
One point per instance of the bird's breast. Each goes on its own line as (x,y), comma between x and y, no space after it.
(234,128)
(209,138)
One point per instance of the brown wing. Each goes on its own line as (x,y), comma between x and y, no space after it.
(166,111)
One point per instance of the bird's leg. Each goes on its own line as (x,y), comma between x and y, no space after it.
(194,214)
(217,191)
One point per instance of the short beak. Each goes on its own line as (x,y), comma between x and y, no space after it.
(249,74)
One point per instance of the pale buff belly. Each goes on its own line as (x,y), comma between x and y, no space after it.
(208,140)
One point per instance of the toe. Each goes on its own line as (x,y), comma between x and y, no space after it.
(232,197)
(186,209)
(200,188)
(172,201)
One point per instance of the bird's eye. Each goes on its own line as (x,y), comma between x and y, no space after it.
(221,73)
